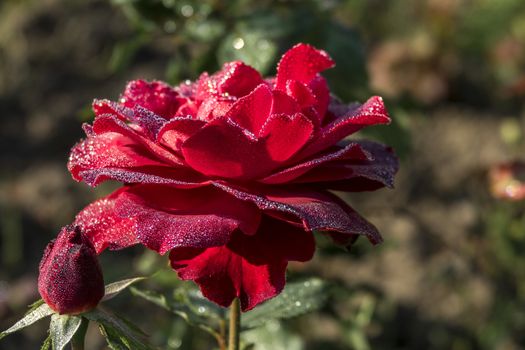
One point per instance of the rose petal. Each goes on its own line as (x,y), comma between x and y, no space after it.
(237,79)
(109,123)
(156,96)
(356,175)
(168,217)
(104,227)
(302,63)
(176,177)
(251,268)
(252,111)
(284,135)
(319,87)
(177,130)
(372,112)
(109,150)
(314,210)
(352,151)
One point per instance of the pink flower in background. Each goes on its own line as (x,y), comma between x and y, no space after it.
(70,279)
(230,174)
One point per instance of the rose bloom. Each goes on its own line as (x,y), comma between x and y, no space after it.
(70,278)
(230,174)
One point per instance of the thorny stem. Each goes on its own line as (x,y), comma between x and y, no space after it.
(77,343)
(235,324)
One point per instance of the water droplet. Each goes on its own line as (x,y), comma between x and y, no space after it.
(186,10)
(201,309)
(238,43)
(297,303)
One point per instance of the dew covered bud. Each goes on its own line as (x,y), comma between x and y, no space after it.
(70,279)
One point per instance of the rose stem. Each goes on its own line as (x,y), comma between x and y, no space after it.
(235,324)
(77,343)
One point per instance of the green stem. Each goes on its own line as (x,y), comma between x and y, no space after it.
(77,343)
(235,324)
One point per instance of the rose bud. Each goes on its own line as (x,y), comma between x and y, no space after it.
(70,279)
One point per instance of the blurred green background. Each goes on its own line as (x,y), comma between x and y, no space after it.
(451,273)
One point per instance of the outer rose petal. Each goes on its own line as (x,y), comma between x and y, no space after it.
(302,63)
(372,112)
(167,217)
(356,175)
(108,150)
(314,210)
(249,267)
(104,226)
(109,123)
(352,151)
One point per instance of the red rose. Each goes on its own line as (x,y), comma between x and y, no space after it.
(70,279)
(230,174)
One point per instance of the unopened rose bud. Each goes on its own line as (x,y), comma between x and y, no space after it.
(70,279)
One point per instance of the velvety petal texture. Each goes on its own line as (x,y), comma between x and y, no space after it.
(70,278)
(231,173)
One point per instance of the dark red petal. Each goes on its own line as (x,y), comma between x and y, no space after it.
(102,107)
(352,151)
(315,210)
(148,121)
(223,148)
(252,111)
(109,123)
(156,96)
(285,134)
(109,150)
(176,177)
(177,130)
(302,63)
(249,267)
(284,104)
(301,93)
(320,89)
(357,175)
(372,112)
(168,217)
(214,107)
(237,79)
(105,227)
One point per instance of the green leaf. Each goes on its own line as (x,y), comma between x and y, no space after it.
(34,314)
(187,306)
(46,345)
(272,336)
(119,333)
(62,329)
(115,288)
(297,298)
